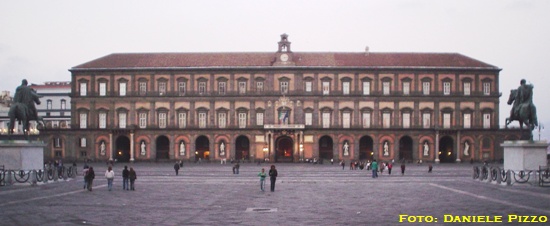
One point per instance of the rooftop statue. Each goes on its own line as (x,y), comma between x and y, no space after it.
(523,109)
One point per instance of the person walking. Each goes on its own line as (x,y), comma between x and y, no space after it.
(262,179)
(110,175)
(403,168)
(177,168)
(125,174)
(390,166)
(273,177)
(90,175)
(343,163)
(430,167)
(84,172)
(132,176)
(374,167)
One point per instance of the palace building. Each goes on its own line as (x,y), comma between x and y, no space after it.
(283,106)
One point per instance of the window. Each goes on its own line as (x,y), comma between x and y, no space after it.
(345,88)
(386,120)
(467,120)
(162,88)
(182,120)
(83,120)
(82,142)
(202,87)
(309,118)
(102,120)
(222,119)
(406,88)
(102,88)
(49,104)
(346,120)
(83,89)
(447,120)
(57,142)
(486,120)
(309,86)
(181,88)
(386,88)
(260,118)
(284,87)
(122,120)
(406,120)
(446,88)
(366,88)
(467,89)
(122,89)
(326,88)
(63,104)
(143,120)
(486,88)
(259,86)
(202,119)
(426,88)
(366,119)
(426,120)
(242,87)
(242,120)
(221,88)
(142,88)
(326,119)
(162,120)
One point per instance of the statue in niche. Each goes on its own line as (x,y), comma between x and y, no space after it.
(426,148)
(182,148)
(222,149)
(386,149)
(143,147)
(346,148)
(102,148)
(466,148)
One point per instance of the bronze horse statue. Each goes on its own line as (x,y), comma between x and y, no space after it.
(21,112)
(524,113)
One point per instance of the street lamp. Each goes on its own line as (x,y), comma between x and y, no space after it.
(265,151)
(301,151)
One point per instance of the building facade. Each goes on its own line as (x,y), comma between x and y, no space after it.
(285,106)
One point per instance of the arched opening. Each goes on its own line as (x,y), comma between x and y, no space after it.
(284,151)
(242,148)
(163,148)
(325,148)
(122,149)
(406,148)
(202,148)
(446,152)
(366,148)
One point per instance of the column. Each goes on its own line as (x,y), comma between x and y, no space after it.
(110,146)
(457,146)
(271,148)
(436,149)
(132,147)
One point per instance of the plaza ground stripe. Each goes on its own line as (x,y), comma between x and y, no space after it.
(51,196)
(491,199)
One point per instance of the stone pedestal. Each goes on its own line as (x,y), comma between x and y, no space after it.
(22,155)
(524,155)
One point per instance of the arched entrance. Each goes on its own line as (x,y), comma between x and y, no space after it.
(365,148)
(446,152)
(284,151)
(163,148)
(325,148)
(202,148)
(242,148)
(406,148)
(122,149)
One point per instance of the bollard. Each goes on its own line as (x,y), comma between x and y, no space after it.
(499,176)
(55,174)
(64,173)
(73,169)
(508,177)
(33,177)
(45,175)
(9,177)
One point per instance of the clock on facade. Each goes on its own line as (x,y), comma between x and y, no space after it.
(284,57)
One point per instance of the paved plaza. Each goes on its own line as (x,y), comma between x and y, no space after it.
(305,194)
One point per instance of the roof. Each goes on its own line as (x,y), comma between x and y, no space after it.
(302,59)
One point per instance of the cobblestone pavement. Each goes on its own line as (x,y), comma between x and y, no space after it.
(305,194)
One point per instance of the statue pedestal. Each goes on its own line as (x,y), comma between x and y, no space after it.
(22,155)
(524,155)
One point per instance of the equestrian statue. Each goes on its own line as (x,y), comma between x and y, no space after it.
(23,108)
(523,109)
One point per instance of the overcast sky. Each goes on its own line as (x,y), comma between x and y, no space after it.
(41,40)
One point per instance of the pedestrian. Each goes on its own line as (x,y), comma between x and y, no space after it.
(382,166)
(403,168)
(90,175)
(177,168)
(84,172)
(125,174)
(390,166)
(430,168)
(273,177)
(132,176)
(374,167)
(262,179)
(110,175)
(331,161)
(237,167)
(343,163)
